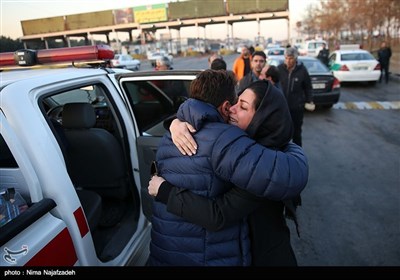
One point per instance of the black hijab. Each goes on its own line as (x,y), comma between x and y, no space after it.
(271,125)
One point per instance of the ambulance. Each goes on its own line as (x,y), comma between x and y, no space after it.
(77,139)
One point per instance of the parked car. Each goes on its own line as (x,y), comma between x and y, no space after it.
(153,56)
(312,47)
(274,51)
(325,87)
(354,66)
(125,61)
(77,144)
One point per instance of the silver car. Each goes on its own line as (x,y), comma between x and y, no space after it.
(125,61)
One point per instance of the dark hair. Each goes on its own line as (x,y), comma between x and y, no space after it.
(259,53)
(214,87)
(251,50)
(273,72)
(218,64)
(215,56)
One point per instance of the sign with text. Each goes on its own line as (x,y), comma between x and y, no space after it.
(150,13)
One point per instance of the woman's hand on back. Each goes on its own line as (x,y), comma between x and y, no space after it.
(154,184)
(182,137)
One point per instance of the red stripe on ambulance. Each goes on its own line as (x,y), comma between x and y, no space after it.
(58,252)
(81,221)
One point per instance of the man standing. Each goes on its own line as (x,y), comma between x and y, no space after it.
(241,66)
(218,64)
(257,64)
(323,55)
(212,57)
(384,55)
(296,86)
(163,63)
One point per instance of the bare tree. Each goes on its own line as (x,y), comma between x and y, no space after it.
(360,19)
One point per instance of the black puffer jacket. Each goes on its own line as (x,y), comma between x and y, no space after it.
(296,86)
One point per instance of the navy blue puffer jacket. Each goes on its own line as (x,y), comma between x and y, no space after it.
(225,153)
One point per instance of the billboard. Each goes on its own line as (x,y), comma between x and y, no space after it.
(89,20)
(256,6)
(150,13)
(196,9)
(43,25)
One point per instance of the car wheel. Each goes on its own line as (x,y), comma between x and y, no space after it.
(328,106)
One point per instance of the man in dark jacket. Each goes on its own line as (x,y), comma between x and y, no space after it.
(296,86)
(384,55)
(323,55)
(225,154)
(258,61)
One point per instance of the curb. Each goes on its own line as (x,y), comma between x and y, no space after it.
(394,77)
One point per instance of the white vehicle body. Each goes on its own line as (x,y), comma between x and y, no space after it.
(312,47)
(125,61)
(153,56)
(57,229)
(354,66)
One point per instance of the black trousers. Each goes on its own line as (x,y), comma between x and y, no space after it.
(297,119)
(384,68)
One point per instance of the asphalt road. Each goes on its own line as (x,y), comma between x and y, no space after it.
(351,206)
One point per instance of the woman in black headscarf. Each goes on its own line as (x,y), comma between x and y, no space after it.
(262,111)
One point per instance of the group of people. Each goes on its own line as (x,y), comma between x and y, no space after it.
(291,78)
(231,167)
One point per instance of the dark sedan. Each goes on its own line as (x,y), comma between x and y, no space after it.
(325,87)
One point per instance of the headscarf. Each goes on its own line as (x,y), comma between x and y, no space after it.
(271,125)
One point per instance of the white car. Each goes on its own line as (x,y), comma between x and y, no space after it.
(77,144)
(312,47)
(153,56)
(354,66)
(125,61)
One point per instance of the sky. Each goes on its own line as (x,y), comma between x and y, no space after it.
(12,12)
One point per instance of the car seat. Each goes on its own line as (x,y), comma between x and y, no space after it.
(95,159)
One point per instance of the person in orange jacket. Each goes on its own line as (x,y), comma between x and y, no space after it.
(242,66)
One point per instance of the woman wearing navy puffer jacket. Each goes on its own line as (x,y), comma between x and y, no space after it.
(225,154)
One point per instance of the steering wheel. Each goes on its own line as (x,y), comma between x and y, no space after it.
(56,113)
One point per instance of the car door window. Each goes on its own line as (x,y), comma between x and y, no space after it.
(155,100)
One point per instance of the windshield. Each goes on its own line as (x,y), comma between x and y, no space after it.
(356,56)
